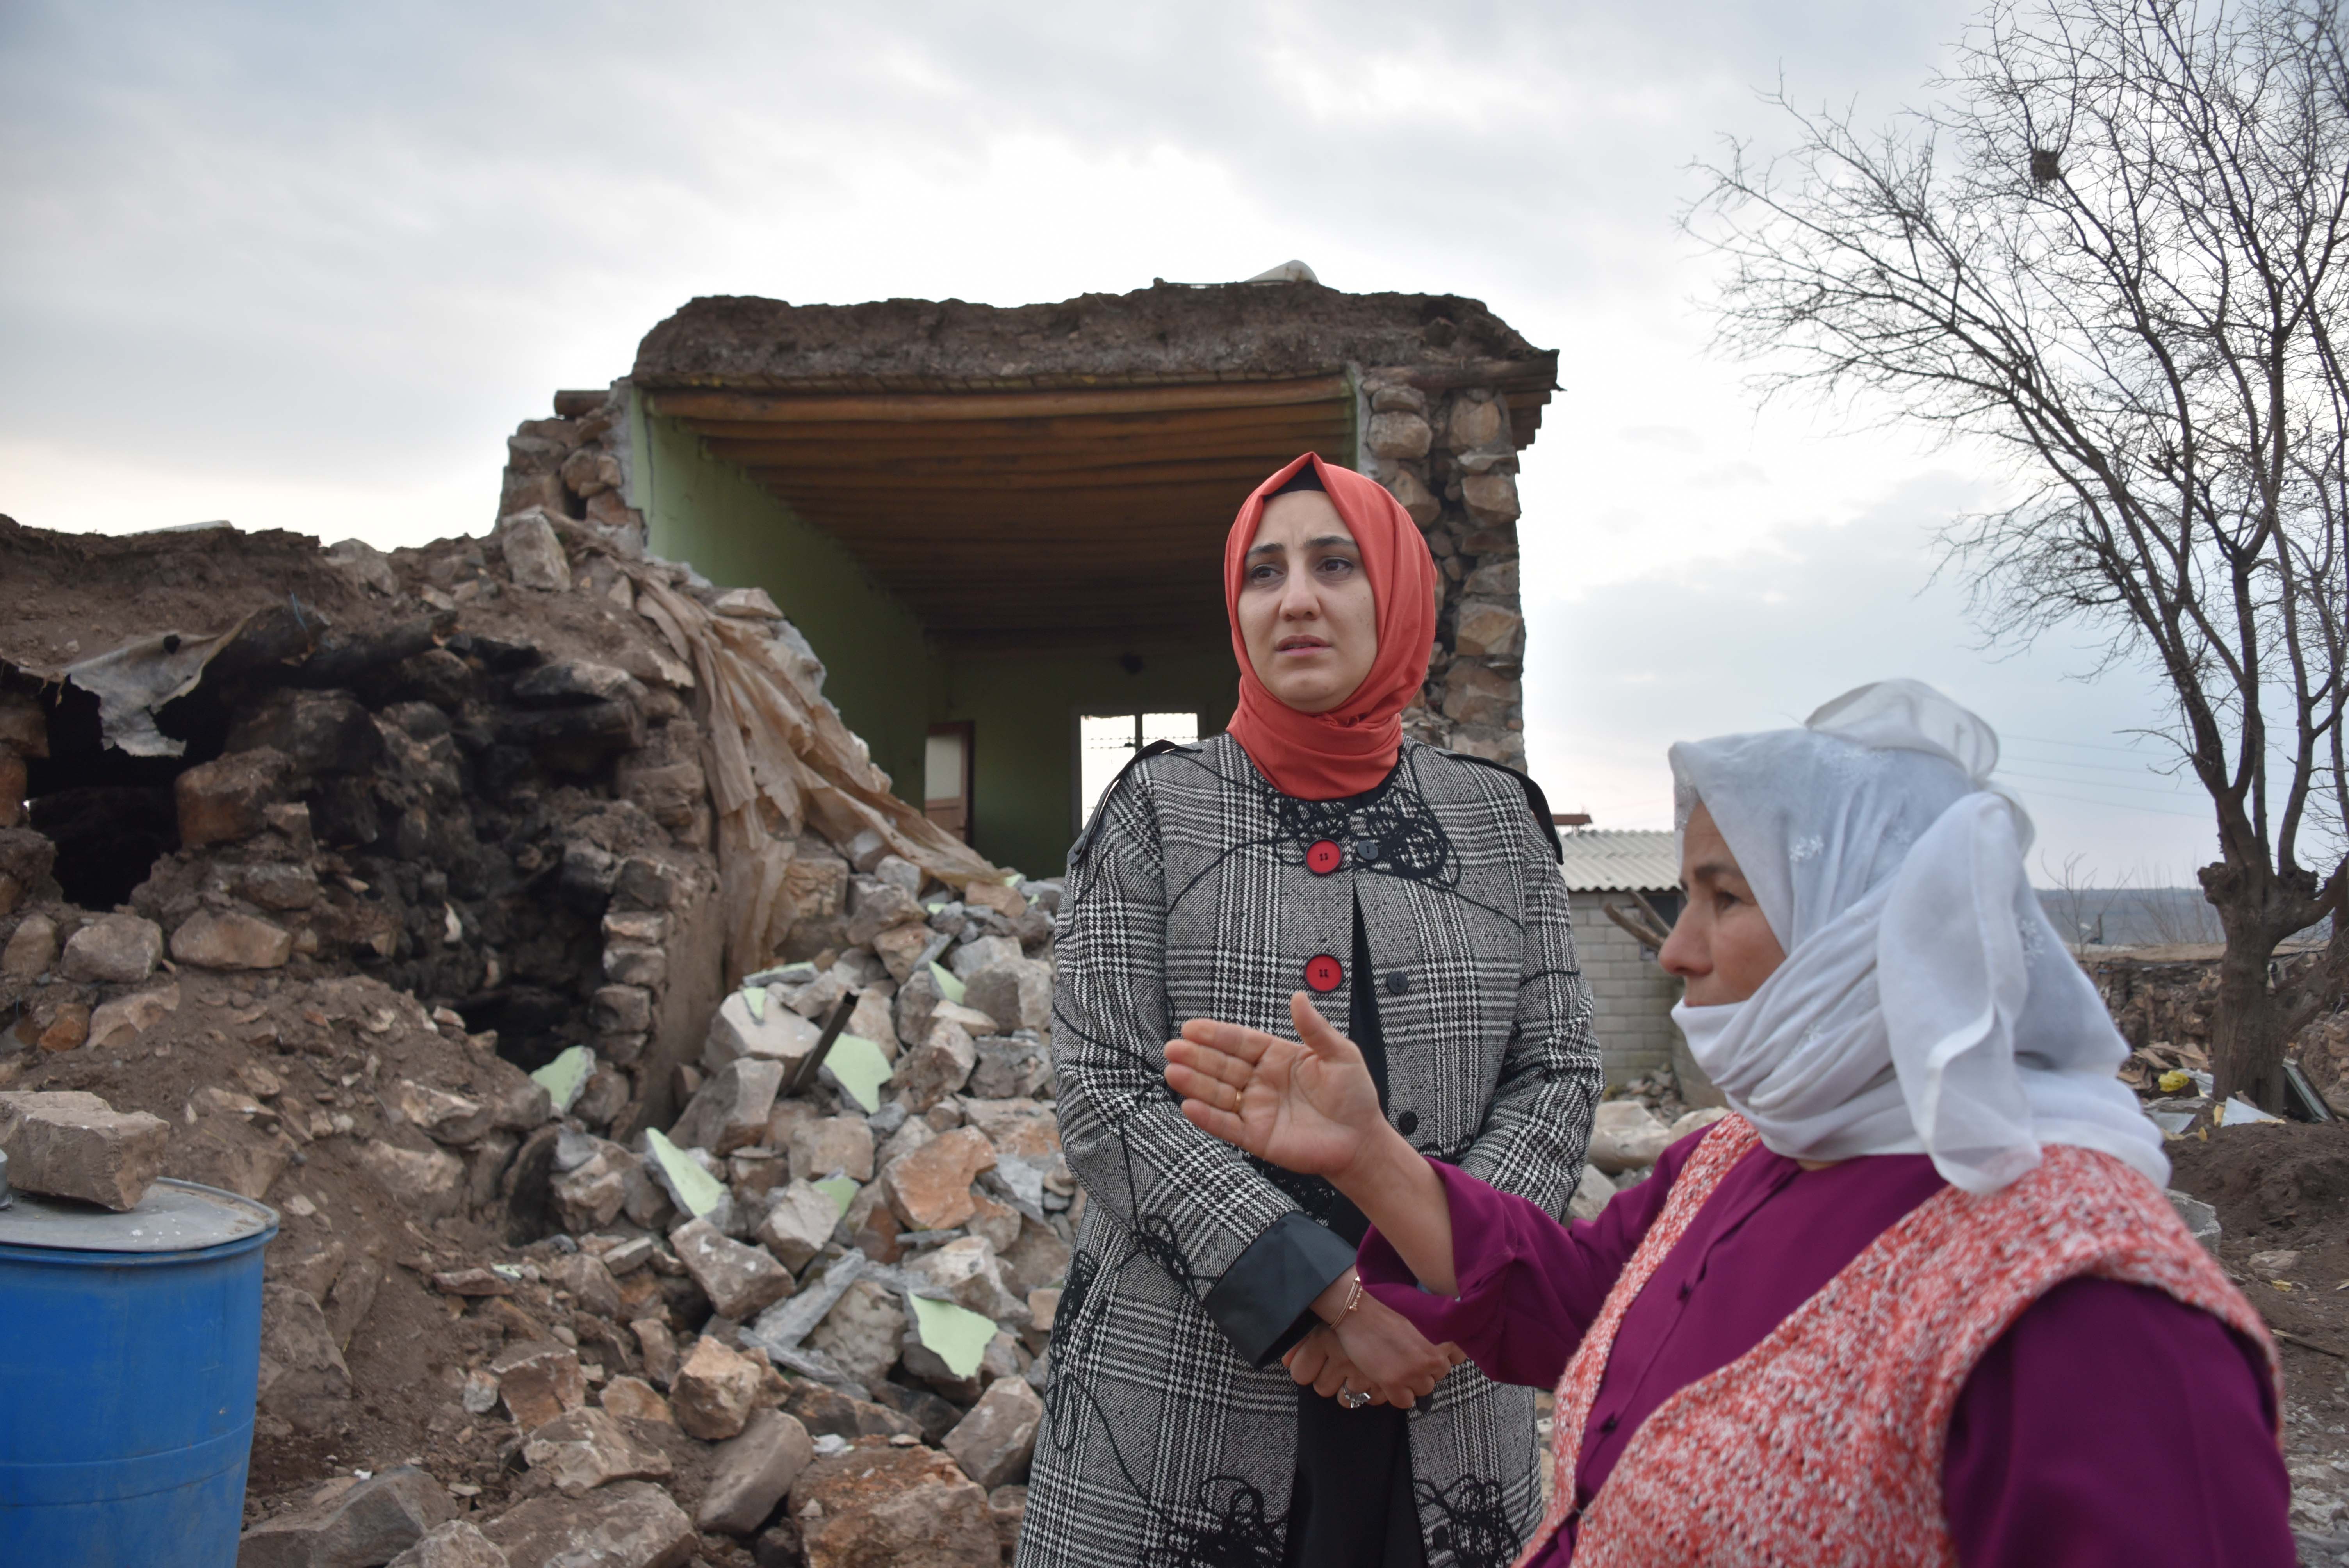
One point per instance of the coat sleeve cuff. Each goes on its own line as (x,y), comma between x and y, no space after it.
(1261,1299)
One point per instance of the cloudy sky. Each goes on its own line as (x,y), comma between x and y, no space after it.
(305,266)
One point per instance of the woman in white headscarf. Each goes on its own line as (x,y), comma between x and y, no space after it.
(1922,1300)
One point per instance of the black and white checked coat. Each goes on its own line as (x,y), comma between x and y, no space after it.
(1170,1432)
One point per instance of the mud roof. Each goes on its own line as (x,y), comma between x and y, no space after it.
(1166,333)
(983,461)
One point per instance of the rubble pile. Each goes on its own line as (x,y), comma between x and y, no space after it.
(658,1112)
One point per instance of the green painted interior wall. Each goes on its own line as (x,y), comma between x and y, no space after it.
(887,683)
(1023,712)
(709,513)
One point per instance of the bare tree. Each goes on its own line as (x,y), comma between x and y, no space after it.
(2116,253)
(2081,902)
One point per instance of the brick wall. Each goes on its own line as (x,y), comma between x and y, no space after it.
(1631,997)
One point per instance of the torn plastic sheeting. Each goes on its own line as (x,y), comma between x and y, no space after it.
(137,679)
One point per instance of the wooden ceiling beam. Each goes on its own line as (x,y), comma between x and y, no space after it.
(925,408)
(911,479)
(1035,434)
(1272,448)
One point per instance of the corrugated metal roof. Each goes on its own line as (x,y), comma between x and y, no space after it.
(1612,859)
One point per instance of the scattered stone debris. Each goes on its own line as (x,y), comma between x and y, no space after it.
(481,908)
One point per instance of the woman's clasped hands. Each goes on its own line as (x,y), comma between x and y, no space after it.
(1311,1107)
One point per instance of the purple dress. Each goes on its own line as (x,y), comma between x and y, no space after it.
(2109,1425)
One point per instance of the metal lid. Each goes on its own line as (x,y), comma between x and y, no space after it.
(174,1217)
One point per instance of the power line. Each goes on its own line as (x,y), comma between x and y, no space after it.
(2093,784)
(2110,805)
(2083,745)
(2099,767)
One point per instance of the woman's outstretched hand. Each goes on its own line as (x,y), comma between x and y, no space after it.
(1310,1108)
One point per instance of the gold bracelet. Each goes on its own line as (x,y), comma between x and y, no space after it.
(1352,1301)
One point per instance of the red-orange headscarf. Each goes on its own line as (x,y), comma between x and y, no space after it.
(1325,755)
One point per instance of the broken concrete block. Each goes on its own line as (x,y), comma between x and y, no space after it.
(995,1220)
(828,1413)
(426,1182)
(730,1110)
(929,1189)
(900,949)
(454,1545)
(1043,1308)
(623,1010)
(304,1379)
(994,1443)
(1592,1193)
(31,949)
(124,1020)
(970,957)
(1008,1505)
(633,1399)
(740,1281)
(753,1472)
(213,939)
(589,1194)
(657,1345)
(773,1033)
(893,1505)
(1009,1068)
(585,1449)
(1491,498)
(976,1023)
(66,1027)
(2201,1219)
(863,1331)
(539,1381)
(965,1271)
(1487,630)
(370,1522)
(1016,993)
(798,1223)
(874,1018)
(591,1284)
(68,1144)
(628,1525)
(445,1117)
(114,950)
(1624,1135)
(938,1066)
(714,1390)
(534,555)
(1016,1127)
(228,799)
(833,1145)
(559,681)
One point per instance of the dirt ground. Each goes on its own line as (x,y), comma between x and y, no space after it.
(2284,1189)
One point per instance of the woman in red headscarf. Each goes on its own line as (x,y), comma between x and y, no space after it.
(1221,1390)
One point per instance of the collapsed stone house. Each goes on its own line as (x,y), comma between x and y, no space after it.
(999,528)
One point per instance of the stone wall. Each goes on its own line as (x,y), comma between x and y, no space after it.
(1631,997)
(1449,454)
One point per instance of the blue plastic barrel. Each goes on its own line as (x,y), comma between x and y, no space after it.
(129,1355)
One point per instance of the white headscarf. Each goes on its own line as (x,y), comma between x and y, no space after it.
(1925,1005)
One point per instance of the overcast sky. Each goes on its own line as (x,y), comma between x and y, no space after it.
(305,266)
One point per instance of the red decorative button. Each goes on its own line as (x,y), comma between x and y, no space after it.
(1324,973)
(1322,858)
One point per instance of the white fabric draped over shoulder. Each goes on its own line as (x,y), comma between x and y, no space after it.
(1925,1003)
